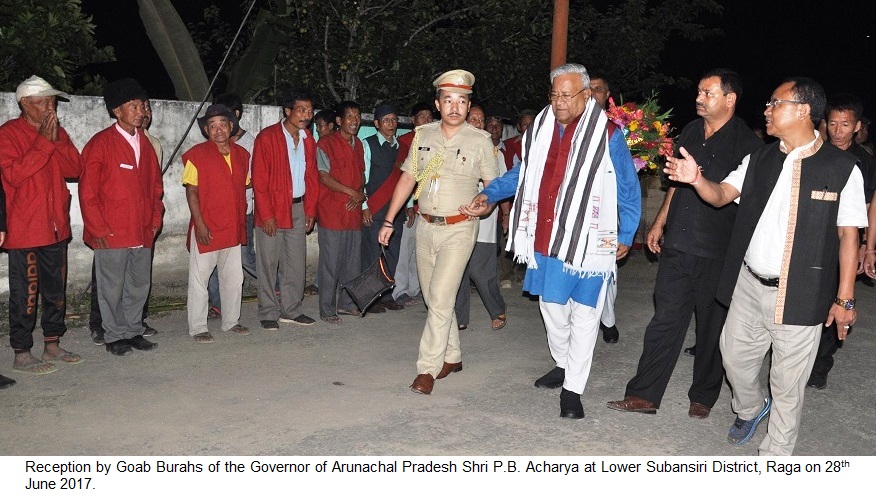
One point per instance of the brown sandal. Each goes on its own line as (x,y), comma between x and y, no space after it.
(203,337)
(499,322)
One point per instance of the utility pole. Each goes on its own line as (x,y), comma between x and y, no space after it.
(560,36)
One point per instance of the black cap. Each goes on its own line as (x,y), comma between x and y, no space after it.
(384,110)
(120,91)
(218,110)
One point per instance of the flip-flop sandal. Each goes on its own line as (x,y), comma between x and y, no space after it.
(35,368)
(348,312)
(203,337)
(334,320)
(239,330)
(66,357)
(502,319)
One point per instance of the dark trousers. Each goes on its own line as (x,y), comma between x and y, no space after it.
(483,271)
(826,348)
(95,321)
(34,274)
(340,253)
(685,284)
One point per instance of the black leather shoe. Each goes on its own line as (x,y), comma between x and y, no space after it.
(141,343)
(119,348)
(552,379)
(691,351)
(610,334)
(570,405)
(6,382)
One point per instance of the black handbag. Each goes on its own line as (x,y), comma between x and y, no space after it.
(371,284)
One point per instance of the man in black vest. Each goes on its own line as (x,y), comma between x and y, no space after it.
(801,202)
(381,175)
(843,118)
(691,237)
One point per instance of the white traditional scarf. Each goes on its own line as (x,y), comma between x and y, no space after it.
(584,235)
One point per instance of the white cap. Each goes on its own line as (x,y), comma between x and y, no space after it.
(37,87)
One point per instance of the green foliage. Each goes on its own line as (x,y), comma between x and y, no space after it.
(176,49)
(376,50)
(50,38)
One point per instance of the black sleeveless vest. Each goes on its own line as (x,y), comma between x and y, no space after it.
(382,161)
(809,279)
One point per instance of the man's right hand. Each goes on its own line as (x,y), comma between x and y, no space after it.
(479,207)
(356,199)
(49,127)
(683,169)
(410,214)
(384,235)
(654,236)
(270,227)
(100,243)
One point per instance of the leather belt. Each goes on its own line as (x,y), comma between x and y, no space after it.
(769,282)
(444,220)
(296,200)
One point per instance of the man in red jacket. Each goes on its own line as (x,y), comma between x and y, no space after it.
(215,176)
(120,196)
(286,188)
(36,155)
(341,162)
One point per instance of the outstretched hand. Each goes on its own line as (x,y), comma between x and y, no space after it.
(683,169)
(479,207)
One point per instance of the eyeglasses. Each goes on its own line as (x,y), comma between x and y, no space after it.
(562,97)
(389,120)
(774,103)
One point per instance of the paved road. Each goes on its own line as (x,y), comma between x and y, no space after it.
(343,390)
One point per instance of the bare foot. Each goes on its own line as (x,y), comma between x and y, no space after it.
(54,352)
(26,362)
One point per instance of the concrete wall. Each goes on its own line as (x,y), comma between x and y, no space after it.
(82,117)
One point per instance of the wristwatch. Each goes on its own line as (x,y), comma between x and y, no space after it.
(848,304)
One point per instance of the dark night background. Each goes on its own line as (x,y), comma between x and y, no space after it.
(764,41)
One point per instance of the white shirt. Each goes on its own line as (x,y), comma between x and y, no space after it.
(765,252)
(488,230)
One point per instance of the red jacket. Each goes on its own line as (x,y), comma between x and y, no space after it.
(347,167)
(221,194)
(120,200)
(513,148)
(37,198)
(272,179)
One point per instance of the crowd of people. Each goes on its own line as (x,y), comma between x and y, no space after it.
(745,234)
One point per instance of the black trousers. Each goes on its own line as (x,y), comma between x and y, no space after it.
(36,274)
(826,348)
(685,284)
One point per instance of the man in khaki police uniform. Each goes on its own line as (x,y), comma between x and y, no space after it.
(446,161)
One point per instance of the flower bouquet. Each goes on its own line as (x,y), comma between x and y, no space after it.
(646,130)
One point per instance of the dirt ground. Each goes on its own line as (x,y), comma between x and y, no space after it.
(343,390)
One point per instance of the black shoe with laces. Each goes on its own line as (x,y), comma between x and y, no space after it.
(141,343)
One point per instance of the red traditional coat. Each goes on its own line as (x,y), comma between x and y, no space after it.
(221,194)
